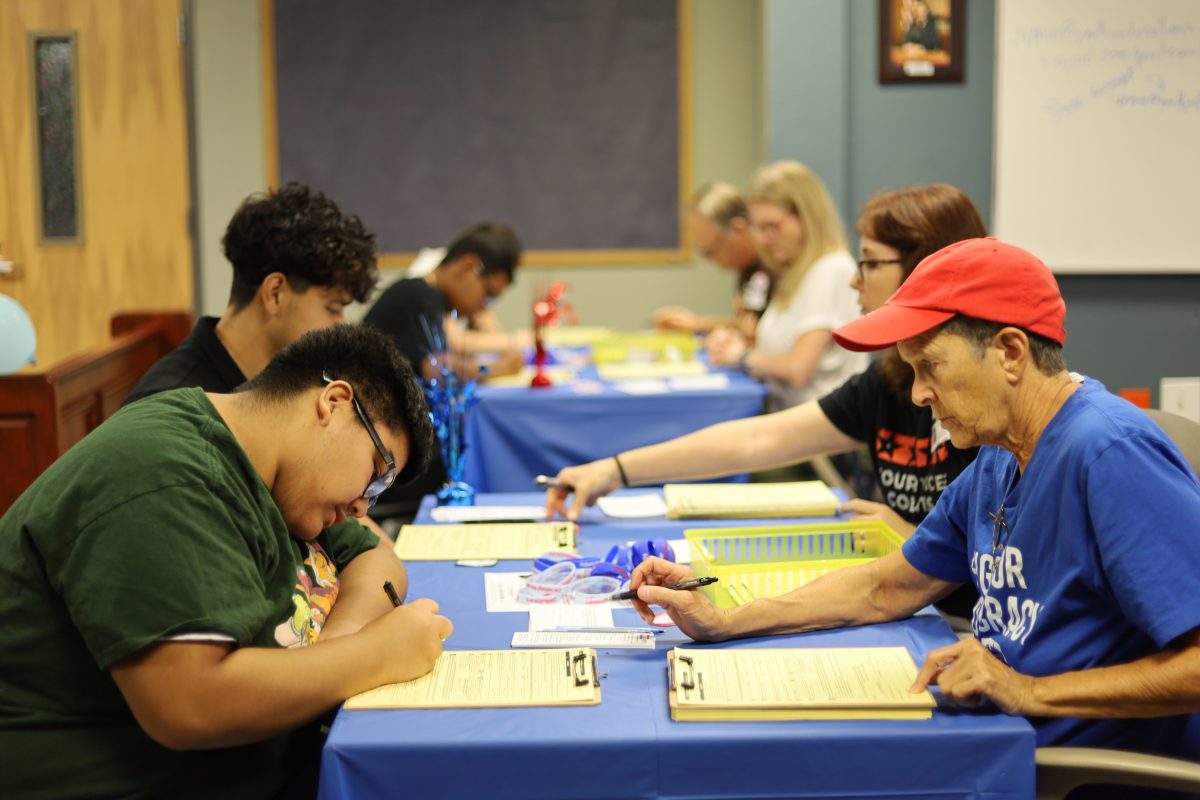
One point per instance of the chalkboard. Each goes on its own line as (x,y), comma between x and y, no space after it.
(1098,133)
(424,116)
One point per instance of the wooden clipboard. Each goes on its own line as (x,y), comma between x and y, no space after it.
(494,679)
(679,679)
(499,540)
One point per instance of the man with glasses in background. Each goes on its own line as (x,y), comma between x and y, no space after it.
(718,224)
(1075,523)
(478,266)
(177,611)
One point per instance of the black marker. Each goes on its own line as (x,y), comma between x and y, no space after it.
(392,595)
(694,583)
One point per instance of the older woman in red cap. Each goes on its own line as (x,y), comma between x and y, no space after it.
(1076,522)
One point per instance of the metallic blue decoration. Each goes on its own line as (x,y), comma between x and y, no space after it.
(449,400)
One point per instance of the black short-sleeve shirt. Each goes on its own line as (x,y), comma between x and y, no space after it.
(913,462)
(409,311)
(200,360)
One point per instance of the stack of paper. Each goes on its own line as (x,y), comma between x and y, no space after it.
(494,678)
(798,683)
(798,499)
(513,540)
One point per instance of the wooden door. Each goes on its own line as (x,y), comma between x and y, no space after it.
(132,251)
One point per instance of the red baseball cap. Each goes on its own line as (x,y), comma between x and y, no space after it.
(981,278)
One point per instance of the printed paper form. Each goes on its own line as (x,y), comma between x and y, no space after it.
(492,678)
(850,677)
(500,589)
(597,615)
(596,639)
(516,540)
(750,499)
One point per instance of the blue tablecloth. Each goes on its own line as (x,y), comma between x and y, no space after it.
(517,433)
(628,747)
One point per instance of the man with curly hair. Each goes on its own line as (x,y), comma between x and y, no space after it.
(298,261)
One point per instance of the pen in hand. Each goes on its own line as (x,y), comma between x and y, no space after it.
(547,482)
(694,583)
(392,594)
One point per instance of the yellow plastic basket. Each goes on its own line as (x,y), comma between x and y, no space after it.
(770,561)
(666,346)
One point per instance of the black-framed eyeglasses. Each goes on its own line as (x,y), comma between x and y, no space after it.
(871,263)
(380,483)
(488,290)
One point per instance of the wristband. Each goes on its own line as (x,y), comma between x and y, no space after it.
(621,469)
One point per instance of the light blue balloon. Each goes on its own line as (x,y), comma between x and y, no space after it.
(17,339)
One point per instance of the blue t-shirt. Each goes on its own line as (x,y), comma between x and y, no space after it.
(1096,561)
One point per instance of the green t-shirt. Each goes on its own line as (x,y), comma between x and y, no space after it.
(156,525)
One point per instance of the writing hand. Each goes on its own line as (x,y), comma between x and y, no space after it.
(408,640)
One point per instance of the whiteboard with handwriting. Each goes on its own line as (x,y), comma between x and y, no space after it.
(1097,155)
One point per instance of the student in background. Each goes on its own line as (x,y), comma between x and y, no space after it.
(719,225)
(480,332)
(801,238)
(176,611)
(1076,523)
(475,269)
(911,454)
(298,261)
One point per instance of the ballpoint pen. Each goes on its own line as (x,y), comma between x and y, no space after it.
(392,594)
(694,583)
(546,481)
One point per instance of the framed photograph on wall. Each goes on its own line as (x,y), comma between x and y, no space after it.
(921,41)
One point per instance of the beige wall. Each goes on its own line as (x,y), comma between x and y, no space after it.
(230,163)
(726,144)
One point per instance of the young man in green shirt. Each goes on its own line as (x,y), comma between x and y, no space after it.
(174,608)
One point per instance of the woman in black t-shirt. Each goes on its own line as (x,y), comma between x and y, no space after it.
(912,456)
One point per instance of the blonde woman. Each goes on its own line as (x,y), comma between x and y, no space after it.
(802,242)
